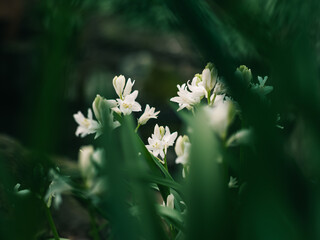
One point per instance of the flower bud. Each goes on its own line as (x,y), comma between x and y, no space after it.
(101,108)
(209,77)
(85,164)
(170,201)
(162,131)
(244,73)
(118,84)
(180,144)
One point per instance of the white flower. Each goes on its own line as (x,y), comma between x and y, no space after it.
(155,147)
(86,125)
(260,87)
(220,88)
(190,95)
(170,201)
(233,183)
(209,79)
(196,87)
(168,139)
(160,140)
(89,161)
(186,99)
(182,149)
(216,99)
(220,116)
(128,104)
(148,113)
(119,83)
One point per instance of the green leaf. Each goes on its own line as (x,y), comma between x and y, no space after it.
(172,216)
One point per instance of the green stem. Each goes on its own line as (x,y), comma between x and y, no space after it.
(165,162)
(208,98)
(214,98)
(94,228)
(136,130)
(51,223)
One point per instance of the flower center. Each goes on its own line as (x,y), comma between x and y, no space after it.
(126,105)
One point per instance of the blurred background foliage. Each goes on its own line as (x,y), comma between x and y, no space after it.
(56,55)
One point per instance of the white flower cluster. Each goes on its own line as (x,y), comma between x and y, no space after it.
(160,140)
(220,111)
(103,109)
(201,86)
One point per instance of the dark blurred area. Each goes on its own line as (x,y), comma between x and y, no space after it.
(81,50)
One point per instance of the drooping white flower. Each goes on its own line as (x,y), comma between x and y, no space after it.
(148,113)
(127,105)
(182,149)
(160,140)
(233,183)
(86,125)
(186,99)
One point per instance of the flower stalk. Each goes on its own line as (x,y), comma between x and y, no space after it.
(51,223)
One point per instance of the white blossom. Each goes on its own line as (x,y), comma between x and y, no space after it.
(208,79)
(170,201)
(196,87)
(182,149)
(148,113)
(186,99)
(89,161)
(160,140)
(121,87)
(220,115)
(86,125)
(128,103)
